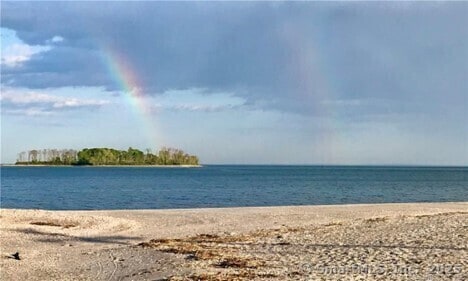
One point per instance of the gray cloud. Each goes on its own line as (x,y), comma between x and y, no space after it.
(282,56)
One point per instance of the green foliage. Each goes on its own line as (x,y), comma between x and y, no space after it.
(107,156)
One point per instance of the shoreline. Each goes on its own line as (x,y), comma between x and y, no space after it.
(104,166)
(176,243)
(250,208)
(396,166)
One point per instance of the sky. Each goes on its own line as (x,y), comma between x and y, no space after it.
(352,83)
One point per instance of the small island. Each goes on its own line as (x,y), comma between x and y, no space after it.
(106,157)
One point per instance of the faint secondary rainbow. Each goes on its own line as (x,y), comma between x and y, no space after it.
(316,90)
(127,79)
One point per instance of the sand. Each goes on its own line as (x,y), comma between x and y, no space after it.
(422,241)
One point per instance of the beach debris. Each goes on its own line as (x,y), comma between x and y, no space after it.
(225,276)
(316,251)
(375,220)
(191,257)
(232,262)
(15,256)
(333,224)
(62,224)
(220,251)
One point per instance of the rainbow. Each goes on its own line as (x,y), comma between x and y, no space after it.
(127,80)
(316,87)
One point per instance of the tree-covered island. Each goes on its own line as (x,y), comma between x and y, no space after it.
(106,156)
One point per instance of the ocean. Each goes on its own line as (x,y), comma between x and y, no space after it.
(97,188)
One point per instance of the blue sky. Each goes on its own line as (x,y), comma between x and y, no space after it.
(240,82)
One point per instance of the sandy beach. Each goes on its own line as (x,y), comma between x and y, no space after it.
(423,241)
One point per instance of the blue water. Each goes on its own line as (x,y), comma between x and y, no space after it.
(87,188)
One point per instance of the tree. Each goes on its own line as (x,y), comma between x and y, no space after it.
(107,156)
(32,157)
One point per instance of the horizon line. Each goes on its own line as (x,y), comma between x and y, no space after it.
(309,164)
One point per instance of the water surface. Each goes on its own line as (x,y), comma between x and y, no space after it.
(89,188)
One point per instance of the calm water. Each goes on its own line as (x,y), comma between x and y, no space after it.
(72,188)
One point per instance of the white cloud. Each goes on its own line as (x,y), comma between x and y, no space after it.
(57,39)
(194,107)
(55,101)
(196,99)
(28,112)
(16,54)
(205,108)
(34,103)
(54,40)
(344,102)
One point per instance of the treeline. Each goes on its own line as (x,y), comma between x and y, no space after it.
(106,156)
(48,156)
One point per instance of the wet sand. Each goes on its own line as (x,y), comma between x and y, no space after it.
(421,241)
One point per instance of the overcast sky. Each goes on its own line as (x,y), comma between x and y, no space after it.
(239,82)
